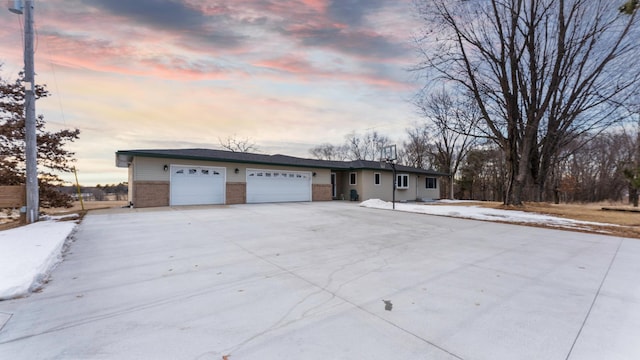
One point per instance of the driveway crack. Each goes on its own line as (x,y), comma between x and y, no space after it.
(595,298)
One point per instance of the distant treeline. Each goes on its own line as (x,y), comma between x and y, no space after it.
(99,192)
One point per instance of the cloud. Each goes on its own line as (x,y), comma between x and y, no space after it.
(352,11)
(367,73)
(69,45)
(109,55)
(323,31)
(157,13)
(187,22)
(181,67)
(288,64)
(194,38)
(364,44)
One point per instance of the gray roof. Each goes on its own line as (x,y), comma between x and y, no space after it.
(124,157)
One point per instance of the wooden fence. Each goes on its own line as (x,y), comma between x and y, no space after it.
(13,196)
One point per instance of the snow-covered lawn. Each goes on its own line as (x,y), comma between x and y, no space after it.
(28,253)
(482,213)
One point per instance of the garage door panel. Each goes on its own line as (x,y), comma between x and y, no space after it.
(197,185)
(278,186)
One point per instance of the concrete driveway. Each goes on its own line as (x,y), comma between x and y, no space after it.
(328,280)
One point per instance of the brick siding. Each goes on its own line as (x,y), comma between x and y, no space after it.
(236,193)
(150,193)
(321,192)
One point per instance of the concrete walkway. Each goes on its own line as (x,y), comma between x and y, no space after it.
(317,280)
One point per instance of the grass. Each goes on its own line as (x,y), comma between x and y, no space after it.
(624,222)
(76,208)
(85,206)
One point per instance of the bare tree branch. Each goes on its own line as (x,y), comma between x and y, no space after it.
(235,144)
(540,72)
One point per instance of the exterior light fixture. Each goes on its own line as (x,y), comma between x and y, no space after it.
(236,170)
(166,167)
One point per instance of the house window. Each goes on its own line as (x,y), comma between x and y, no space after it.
(432,183)
(376,178)
(353,177)
(402,181)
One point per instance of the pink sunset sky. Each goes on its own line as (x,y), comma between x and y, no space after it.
(287,74)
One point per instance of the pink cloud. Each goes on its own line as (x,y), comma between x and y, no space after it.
(317,5)
(305,71)
(288,64)
(80,39)
(82,52)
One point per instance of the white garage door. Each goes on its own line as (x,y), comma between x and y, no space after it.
(197,185)
(278,186)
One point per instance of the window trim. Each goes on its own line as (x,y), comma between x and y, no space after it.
(435,182)
(353,178)
(399,182)
(377,179)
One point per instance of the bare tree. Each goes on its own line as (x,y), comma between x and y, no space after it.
(418,149)
(632,166)
(365,147)
(594,170)
(452,121)
(481,175)
(355,147)
(329,152)
(542,72)
(235,144)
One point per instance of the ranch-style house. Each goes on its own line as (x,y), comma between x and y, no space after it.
(173,177)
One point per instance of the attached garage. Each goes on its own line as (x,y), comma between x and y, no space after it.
(278,186)
(197,185)
(171,177)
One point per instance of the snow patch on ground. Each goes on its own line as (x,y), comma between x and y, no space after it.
(481,213)
(9,215)
(28,253)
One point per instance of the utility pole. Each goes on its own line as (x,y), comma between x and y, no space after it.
(31,151)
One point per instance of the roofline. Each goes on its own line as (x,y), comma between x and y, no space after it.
(213,158)
(345,165)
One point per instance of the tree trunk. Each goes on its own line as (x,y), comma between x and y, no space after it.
(516,197)
(508,191)
(633,195)
(524,168)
